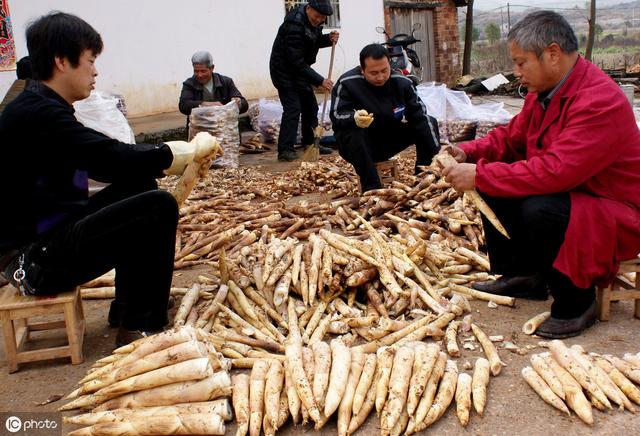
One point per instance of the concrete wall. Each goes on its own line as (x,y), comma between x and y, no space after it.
(148,43)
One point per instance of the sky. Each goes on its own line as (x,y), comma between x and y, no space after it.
(491,4)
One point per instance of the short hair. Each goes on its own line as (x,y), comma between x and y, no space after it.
(23,68)
(373,51)
(59,35)
(539,29)
(202,57)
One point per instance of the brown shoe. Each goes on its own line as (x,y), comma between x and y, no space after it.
(556,328)
(125,337)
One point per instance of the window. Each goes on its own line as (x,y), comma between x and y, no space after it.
(333,21)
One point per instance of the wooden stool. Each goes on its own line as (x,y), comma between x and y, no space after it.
(15,311)
(621,289)
(387,171)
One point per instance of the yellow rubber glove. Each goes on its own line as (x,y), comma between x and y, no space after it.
(183,153)
(362,118)
(201,147)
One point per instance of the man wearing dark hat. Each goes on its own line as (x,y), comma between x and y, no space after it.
(294,51)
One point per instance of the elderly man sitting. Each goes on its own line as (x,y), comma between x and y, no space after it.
(206,88)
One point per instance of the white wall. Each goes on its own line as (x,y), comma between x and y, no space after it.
(148,43)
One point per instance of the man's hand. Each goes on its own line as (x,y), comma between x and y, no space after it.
(327,84)
(334,36)
(462,176)
(362,118)
(210,103)
(237,100)
(458,154)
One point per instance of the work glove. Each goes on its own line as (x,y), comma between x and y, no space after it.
(203,148)
(362,118)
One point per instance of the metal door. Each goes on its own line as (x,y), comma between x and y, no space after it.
(402,21)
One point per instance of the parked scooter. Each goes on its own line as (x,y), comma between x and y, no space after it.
(404,59)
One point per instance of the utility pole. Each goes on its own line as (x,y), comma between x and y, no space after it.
(501,21)
(468,39)
(592,30)
(508,18)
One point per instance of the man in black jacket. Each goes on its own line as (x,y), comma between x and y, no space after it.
(294,51)
(206,88)
(376,113)
(53,237)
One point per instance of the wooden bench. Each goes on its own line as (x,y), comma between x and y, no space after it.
(387,171)
(16,311)
(622,288)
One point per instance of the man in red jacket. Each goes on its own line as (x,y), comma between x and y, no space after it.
(563,177)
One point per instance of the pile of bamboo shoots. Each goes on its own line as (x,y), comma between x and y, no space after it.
(569,378)
(172,383)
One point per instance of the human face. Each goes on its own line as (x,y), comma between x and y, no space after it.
(315,18)
(534,73)
(81,79)
(202,73)
(376,71)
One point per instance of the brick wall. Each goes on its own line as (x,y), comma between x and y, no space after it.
(446,38)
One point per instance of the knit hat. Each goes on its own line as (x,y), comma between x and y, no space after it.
(322,6)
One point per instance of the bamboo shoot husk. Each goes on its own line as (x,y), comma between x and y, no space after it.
(213,387)
(489,350)
(193,424)
(532,325)
(240,384)
(219,407)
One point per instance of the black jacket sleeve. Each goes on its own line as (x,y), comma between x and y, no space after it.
(105,158)
(325,40)
(187,99)
(416,114)
(342,108)
(294,42)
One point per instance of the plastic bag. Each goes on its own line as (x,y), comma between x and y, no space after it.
(221,122)
(434,98)
(265,118)
(100,112)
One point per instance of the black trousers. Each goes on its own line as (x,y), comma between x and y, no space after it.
(536,225)
(130,226)
(362,148)
(297,101)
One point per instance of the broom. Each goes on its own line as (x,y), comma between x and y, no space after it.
(312,152)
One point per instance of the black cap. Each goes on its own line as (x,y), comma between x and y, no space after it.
(322,6)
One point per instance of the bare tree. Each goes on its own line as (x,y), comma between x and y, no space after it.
(592,30)
(468,38)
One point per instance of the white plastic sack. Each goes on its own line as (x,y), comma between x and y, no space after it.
(265,119)
(100,112)
(221,122)
(434,98)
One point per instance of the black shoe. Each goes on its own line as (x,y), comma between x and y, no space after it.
(555,328)
(125,337)
(529,287)
(325,150)
(116,311)
(287,156)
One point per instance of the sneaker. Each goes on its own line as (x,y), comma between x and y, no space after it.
(125,337)
(287,156)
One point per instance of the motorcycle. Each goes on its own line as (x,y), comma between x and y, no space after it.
(404,59)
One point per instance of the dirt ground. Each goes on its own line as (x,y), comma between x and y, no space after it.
(512,407)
